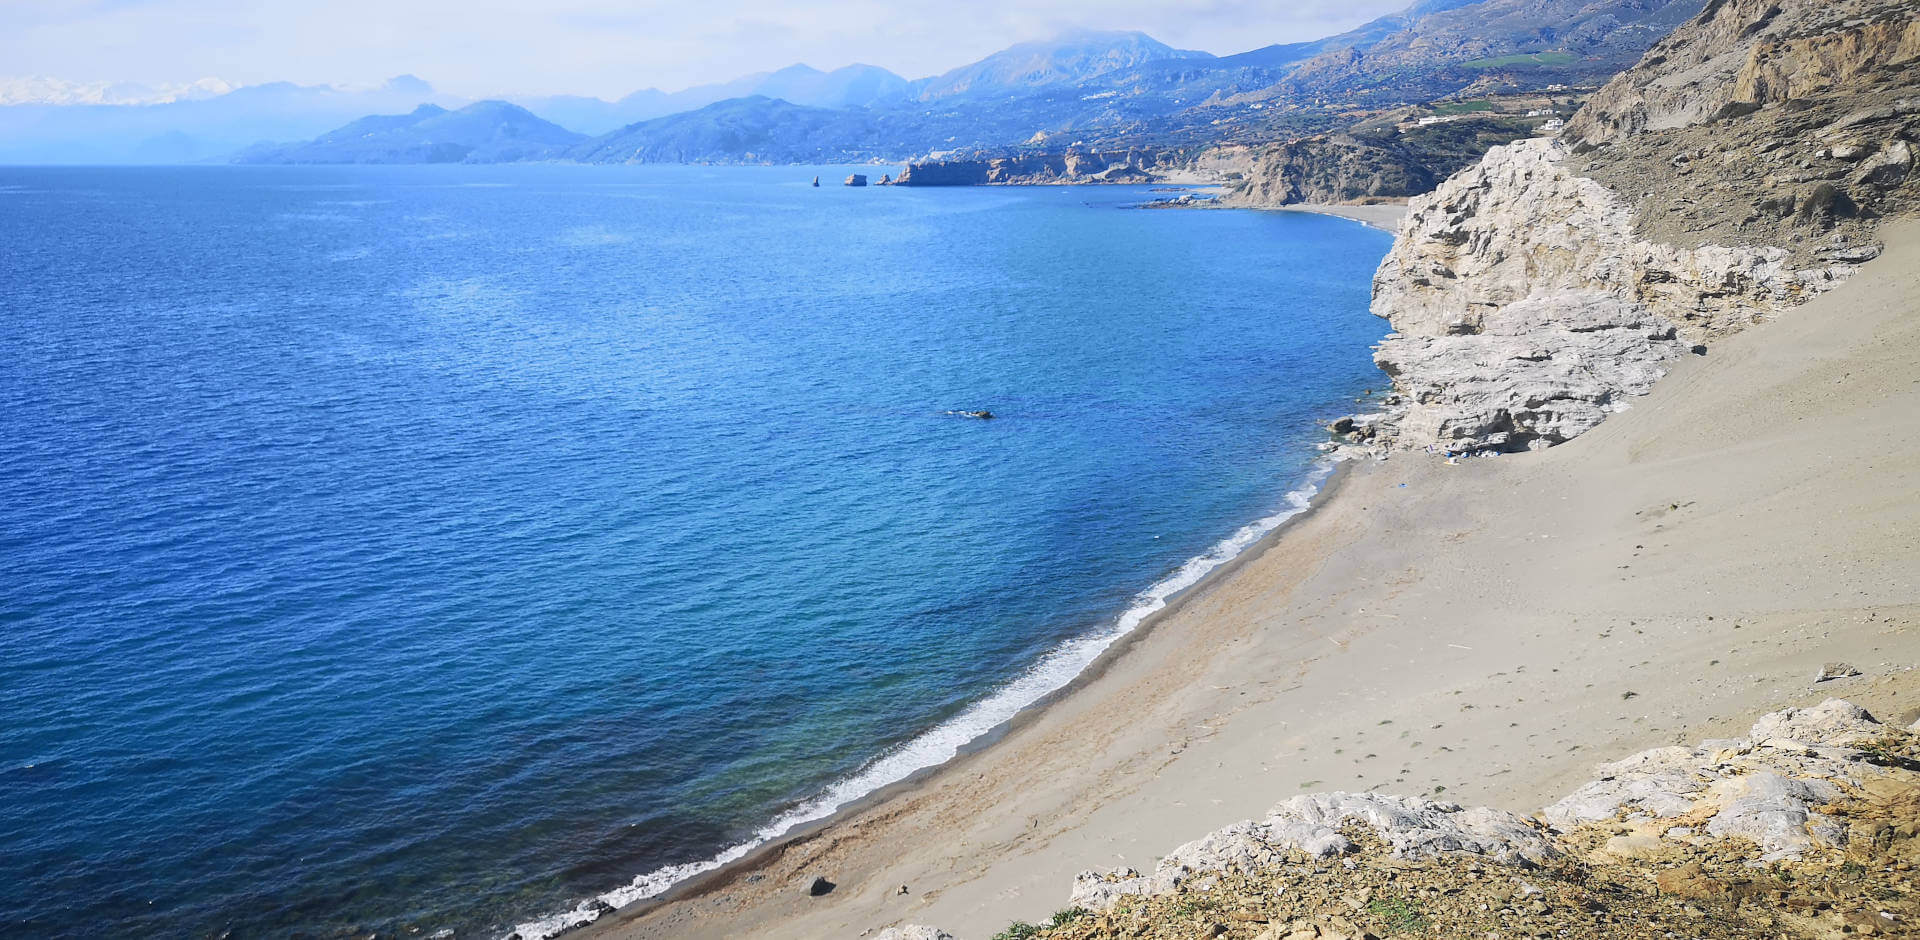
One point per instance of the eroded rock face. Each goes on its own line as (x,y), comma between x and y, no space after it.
(1413,827)
(1533,373)
(1525,310)
(1741,55)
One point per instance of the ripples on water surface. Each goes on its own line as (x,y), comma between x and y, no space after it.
(393,547)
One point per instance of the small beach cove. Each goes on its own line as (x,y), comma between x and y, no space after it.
(1485,631)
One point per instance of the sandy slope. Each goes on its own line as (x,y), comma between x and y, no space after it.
(1492,628)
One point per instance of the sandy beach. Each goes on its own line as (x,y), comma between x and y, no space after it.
(1383,216)
(1486,630)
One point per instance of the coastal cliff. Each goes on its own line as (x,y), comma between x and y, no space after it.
(1071,166)
(1737,171)
(1386,160)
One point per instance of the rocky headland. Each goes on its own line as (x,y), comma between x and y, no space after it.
(1739,169)
(1065,167)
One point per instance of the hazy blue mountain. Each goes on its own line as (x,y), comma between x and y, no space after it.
(854,86)
(483,132)
(189,131)
(1072,58)
(757,129)
(850,87)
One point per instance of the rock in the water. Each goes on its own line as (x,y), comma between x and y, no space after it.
(857,179)
(820,887)
(1835,671)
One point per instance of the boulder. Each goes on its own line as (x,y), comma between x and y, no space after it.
(1832,671)
(1834,722)
(1887,169)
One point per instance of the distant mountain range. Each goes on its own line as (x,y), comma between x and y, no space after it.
(1110,91)
(1125,91)
(196,129)
(850,87)
(483,132)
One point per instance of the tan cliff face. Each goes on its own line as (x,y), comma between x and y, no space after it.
(1330,169)
(1743,54)
(1738,170)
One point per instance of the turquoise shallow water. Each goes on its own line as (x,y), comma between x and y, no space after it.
(436,547)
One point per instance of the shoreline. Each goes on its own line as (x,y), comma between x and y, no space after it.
(1323,481)
(1471,630)
(1383,216)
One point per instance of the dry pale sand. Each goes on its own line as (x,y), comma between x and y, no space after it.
(1491,628)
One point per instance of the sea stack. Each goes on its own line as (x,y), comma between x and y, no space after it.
(816,182)
(857,179)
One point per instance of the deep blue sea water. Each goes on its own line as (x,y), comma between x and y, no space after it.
(437,547)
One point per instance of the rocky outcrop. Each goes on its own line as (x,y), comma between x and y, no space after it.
(1379,164)
(1412,828)
(1767,788)
(1731,175)
(1826,798)
(1739,56)
(913,932)
(1335,169)
(1785,123)
(1071,166)
(1525,308)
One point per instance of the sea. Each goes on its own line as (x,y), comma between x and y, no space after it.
(427,549)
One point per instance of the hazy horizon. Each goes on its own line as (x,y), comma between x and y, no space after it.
(596,48)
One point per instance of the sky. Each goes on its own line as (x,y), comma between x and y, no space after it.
(606,48)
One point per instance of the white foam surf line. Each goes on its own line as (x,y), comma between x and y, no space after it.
(945,741)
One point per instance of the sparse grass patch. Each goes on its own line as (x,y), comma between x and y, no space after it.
(1398,915)
(1018,930)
